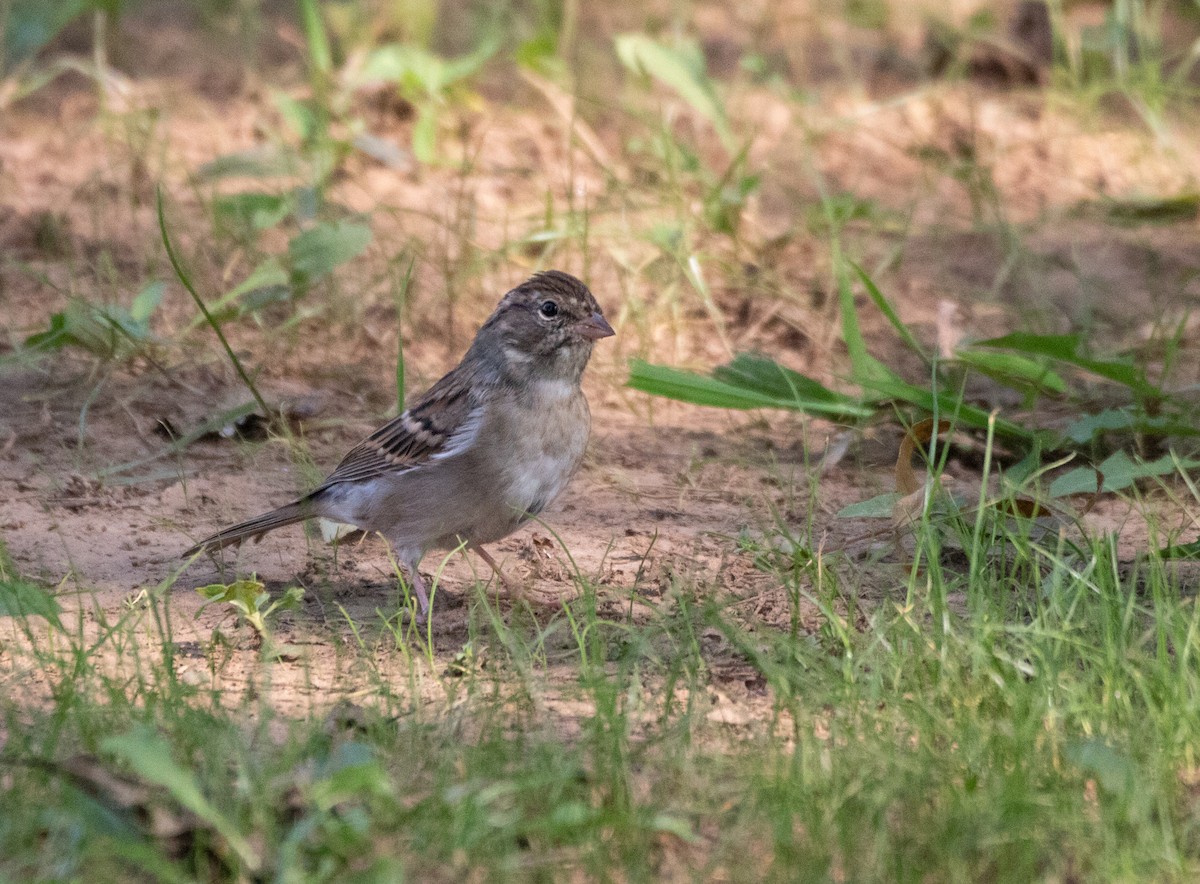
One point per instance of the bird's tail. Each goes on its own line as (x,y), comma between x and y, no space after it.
(297,511)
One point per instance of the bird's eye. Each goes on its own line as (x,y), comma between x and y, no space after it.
(548,309)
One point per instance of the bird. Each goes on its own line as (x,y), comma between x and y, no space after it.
(481,452)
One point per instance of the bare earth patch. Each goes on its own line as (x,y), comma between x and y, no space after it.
(667,490)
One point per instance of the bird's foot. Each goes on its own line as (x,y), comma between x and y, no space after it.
(417,583)
(512,590)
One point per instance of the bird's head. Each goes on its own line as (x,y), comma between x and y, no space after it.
(545,327)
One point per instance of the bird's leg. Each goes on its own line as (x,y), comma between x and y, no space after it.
(417,582)
(511,588)
(409,559)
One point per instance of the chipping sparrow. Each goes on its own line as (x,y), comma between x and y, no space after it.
(482,451)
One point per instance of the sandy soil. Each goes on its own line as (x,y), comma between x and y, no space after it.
(667,489)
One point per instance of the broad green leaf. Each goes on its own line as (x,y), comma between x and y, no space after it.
(1187,551)
(1129,420)
(52,338)
(878,507)
(28,25)
(289,601)
(317,251)
(85,330)
(732,393)
(877,378)
(149,756)
(257,162)
(250,598)
(137,331)
(747,383)
(246,595)
(1158,210)
(673,825)
(257,299)
(410,67)
(687,386)
(316,39)
(540,54)
(147,302)
(768,376)
(352,772)
(1086,427)
(1117,472)
(424,134)
(1062,347)
(103,330)
(20,598)
(300,115)
(679,69)
(251,212)
(418,71)
(945,406)
(1013,369)
(1112,768)
(1065,348)
(267,274)
(269,278)
(455,70)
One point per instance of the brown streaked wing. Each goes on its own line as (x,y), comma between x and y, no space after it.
(438,422)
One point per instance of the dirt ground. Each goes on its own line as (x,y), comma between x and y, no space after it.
(667,489)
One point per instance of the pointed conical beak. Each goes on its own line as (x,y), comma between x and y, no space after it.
(594,327)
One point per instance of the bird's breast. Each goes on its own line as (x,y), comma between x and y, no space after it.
(546,434)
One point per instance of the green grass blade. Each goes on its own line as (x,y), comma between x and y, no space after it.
(697,389)
(864,366)
(889,312)
(768,376)
(213,324)
(1065,348)
(402,299)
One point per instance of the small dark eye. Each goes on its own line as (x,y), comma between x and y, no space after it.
(548,309)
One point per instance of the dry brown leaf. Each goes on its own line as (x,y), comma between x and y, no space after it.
(918,434)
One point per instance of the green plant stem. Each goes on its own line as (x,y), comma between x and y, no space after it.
(401,301)
(187,284)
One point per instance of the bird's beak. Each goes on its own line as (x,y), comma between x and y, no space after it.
(594,327)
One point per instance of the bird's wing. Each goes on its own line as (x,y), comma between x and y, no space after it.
(444,422)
